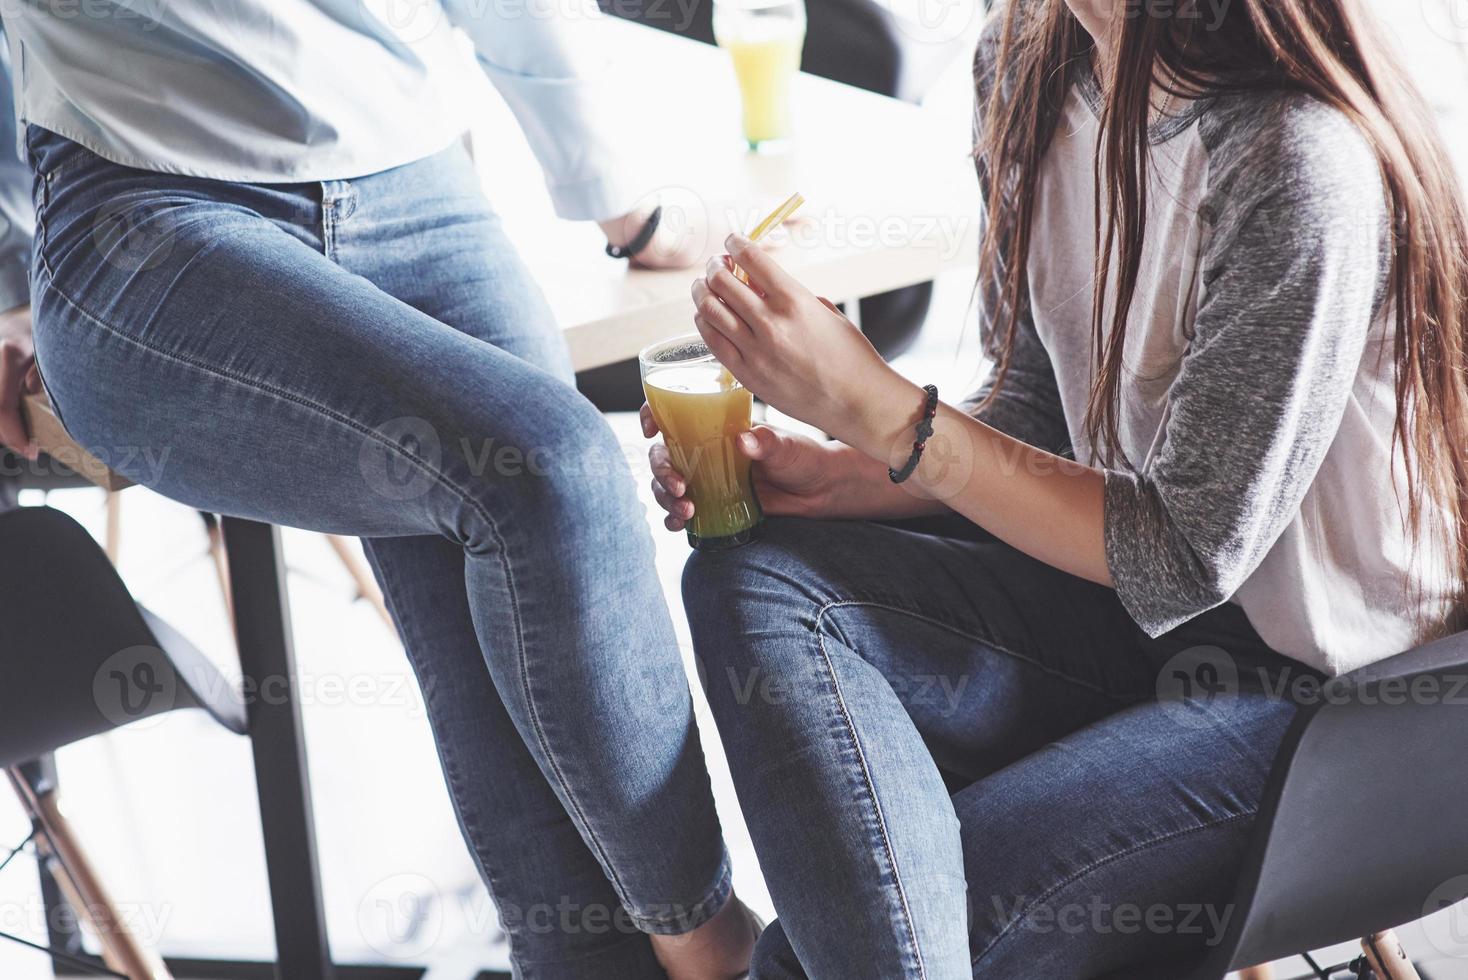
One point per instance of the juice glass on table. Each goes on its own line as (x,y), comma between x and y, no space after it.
(701,409)
(764,39)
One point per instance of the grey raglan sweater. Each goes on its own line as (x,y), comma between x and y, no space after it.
(1257,399)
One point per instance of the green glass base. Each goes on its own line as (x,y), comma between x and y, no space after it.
(776,144)
(724,543)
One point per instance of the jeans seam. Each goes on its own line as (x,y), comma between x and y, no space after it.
(1102,862)
(42,236)
(448,760)
(464,496)
(986,639)
(871,790)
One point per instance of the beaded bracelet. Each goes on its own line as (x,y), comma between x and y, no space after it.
(924,432)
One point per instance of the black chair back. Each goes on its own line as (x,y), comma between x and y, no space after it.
(77,655)
(1362,827)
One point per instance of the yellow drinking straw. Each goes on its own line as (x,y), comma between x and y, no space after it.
(772,221)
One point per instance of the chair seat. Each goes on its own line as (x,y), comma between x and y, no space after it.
(1361,825)
(78,656)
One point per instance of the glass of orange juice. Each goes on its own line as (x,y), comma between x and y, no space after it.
(701,409)
(764,39)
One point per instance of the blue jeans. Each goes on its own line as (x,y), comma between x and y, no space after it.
(956,761)
(369,357)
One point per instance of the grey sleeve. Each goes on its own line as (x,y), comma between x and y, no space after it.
(17,219)
(1028,404)
(1293,275)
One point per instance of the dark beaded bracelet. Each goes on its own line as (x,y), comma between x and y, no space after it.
(924,433)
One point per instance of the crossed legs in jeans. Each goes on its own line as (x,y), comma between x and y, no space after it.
(369,357)
(954,763)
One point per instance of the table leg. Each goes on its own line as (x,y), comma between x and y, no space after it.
(262,628)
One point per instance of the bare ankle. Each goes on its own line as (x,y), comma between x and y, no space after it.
(719,949)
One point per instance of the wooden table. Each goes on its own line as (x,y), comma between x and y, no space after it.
(890,190)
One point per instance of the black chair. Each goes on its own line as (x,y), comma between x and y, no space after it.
(79,657)
(1362,827)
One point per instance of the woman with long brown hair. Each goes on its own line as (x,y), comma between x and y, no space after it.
(1221,458)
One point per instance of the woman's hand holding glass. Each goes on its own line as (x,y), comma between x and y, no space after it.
(794,475)
(798,353)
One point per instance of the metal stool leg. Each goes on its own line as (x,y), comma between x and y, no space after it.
(283,786)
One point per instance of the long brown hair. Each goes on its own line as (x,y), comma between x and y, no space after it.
(1327,49)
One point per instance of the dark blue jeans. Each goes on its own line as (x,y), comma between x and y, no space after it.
(369,357)
(956,761)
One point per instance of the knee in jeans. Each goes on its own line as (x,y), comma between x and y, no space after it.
(780,567)
(719,586)
(564,477)
(735,598)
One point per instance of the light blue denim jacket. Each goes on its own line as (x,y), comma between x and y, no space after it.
(299,90)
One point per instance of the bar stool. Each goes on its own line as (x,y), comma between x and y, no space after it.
(78,657)
(253,573)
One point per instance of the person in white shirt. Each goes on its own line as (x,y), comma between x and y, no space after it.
(261,250)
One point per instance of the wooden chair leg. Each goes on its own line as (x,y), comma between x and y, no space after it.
(1263,972)
(361,576)
(221,565)
(79,881)
(113,533)
(1387,957)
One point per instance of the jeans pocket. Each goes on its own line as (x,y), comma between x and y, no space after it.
(50,154)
